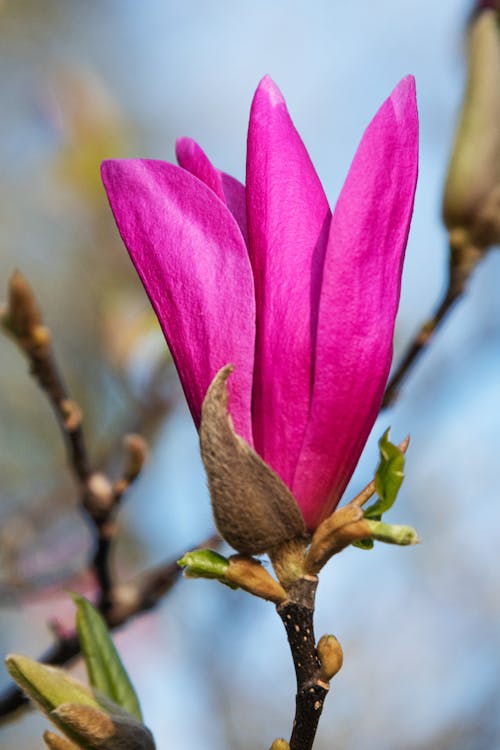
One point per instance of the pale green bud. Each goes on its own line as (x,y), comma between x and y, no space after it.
(472,193)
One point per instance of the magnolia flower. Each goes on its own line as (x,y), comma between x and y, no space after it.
(300,300)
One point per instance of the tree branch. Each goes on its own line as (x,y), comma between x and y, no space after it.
(297,615)
(129,600)
(99,496)
(463,261)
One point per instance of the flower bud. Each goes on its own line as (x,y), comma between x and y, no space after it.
(22,315)
(331,657)
(280,744)
(48,687)
(472,193)
(95,729)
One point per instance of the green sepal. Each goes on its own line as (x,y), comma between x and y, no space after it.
(105,669)
(388,477)
(205,563)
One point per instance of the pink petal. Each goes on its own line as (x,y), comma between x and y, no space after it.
(194,265)
(288,218)
(358,305)
(192,157)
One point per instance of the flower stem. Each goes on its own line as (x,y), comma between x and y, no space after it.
(297,614)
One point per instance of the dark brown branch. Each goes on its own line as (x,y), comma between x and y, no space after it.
(130,599)
(463,262)
(297,615)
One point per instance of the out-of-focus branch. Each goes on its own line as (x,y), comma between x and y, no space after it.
(129,600)
(471,198)
(22,320)
(99,496)
(463,262)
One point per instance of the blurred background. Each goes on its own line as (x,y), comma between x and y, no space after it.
(83,80)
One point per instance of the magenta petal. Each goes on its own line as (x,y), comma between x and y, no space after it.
(192,157)
(358,304)
(194,265)
(288,217)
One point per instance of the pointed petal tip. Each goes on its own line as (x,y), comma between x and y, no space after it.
(184,146)
(111,167)
(268,89)
(404,98)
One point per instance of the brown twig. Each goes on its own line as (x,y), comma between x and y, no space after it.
(297,616)
(129,600)
(99,497)
(22,320)
(463,261)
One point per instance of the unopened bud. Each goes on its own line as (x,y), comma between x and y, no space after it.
(48,687)
(204,563)
(280,744)
(137,450)
(72,414)
(100,493)
(472,192)
(392,533)
(22,316)
(97,729)
(331,657)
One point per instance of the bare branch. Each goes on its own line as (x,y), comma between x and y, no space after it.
(463,261)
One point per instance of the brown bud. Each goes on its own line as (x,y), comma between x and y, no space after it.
(471,196)
(249,574)
(253,509)
(331,657)
(344,526)
(100,494)
(101,731)
(72,414)
(137,453)
(22,315)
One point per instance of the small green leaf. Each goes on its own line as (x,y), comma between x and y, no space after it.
(205,563)
(388,478)
(105,670)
